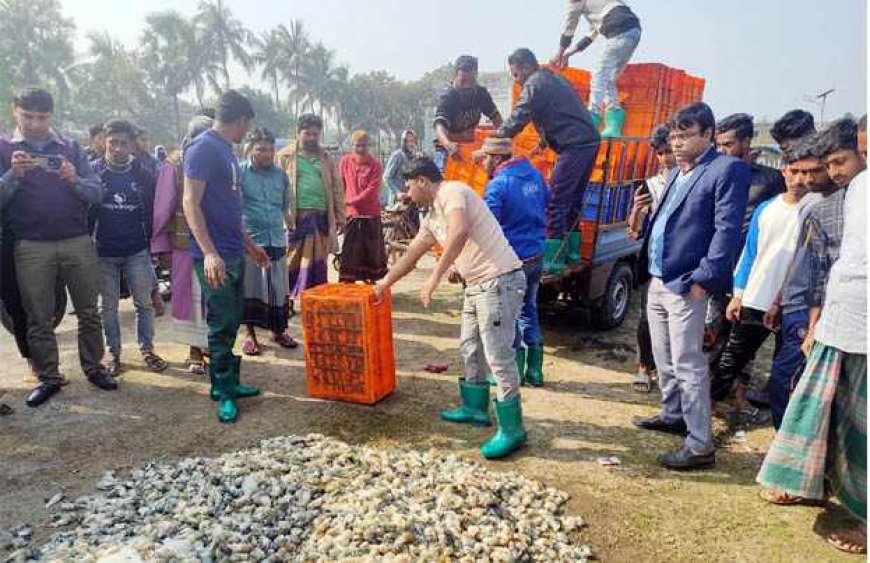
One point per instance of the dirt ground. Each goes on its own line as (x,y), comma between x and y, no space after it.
(636,512)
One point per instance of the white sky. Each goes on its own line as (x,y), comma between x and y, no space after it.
(760,56)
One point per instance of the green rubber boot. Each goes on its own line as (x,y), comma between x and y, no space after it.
(228,412)
(573,254)
(614,120)
(241,390)
(490,378)
(554,257)
(535,373)
(474,409)
(511,434)
(596,120)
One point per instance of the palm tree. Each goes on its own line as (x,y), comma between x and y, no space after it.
(36,41)
(223,36)
(168,54)
(271,56)
(318,79)
(295,47)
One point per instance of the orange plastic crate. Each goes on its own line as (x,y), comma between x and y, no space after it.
(348,343)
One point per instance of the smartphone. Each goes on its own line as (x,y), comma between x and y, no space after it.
(51,162)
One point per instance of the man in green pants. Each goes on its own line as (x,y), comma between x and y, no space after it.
(213,208)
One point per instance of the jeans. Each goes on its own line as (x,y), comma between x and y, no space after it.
(138,272)
(568,183)
(74,262)
(489,314)
(746,337)
(644,341)
(615,55)
(788,362)
(528,328)
(676,325)
(440,157)
(225,306)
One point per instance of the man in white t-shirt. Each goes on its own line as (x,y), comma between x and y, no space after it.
(475,246)
(767,254)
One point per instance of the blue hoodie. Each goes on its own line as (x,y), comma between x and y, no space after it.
(518,197)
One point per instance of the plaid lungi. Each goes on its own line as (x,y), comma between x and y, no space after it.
(823,437)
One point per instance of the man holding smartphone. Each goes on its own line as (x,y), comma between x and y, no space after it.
(49,187)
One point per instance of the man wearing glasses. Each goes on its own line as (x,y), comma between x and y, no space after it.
(687,255)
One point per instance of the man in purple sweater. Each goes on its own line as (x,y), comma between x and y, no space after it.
(48,187)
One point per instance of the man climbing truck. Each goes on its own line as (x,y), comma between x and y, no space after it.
(621,30)
(548,101)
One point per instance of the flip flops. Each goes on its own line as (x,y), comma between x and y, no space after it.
(436,368)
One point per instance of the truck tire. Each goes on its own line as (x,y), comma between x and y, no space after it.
(617,298)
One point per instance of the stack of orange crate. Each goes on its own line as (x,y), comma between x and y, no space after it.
(650,94)
(348,343)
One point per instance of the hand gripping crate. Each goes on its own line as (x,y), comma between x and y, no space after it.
(348,343)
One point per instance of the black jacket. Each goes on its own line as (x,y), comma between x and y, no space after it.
(766,183)
(552,104)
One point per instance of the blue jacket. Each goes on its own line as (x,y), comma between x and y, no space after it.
(703,236)
(518,197)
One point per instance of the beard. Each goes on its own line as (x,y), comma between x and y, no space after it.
(310,146)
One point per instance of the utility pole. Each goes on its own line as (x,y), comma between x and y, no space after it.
(824,98)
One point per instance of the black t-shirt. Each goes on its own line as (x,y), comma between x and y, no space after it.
(619,20)
(460,110)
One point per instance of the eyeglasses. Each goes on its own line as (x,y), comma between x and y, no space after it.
(682,137)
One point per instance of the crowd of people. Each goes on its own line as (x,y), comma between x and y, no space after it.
(732,252)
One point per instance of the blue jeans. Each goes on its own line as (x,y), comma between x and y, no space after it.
(615,55)
(788,362)
(528,328)
(138,272)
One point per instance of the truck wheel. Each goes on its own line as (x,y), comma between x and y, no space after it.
(617,298)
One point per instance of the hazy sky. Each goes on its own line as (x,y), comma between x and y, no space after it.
(759,56)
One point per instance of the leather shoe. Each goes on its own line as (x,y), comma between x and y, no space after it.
(102,379)
(43,392)
(685,459)
(656,423)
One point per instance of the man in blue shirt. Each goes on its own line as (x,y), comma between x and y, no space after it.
(518,197)
(213,208)
(48,187)
(688,255)
(123,233)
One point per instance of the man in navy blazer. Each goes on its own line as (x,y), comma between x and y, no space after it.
(688,254)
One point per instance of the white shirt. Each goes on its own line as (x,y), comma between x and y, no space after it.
(594,12)
(487,254)
(843,324)
(767,254)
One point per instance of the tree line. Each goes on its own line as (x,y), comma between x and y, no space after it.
(180,64)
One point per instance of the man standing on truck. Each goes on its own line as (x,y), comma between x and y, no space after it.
(518,196)
(621,30)
(550,102)
(459,109)
(687,255)
(476,247)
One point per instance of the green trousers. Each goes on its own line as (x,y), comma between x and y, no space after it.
(225,307)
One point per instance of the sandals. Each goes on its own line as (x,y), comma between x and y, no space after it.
(781,498)
(643,382)
(853,541)
(436,368)
(196,367)
(284,340)
(154,362)
(113,366)
(250,347)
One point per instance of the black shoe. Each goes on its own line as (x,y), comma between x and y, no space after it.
(656,423)
(686,460)
(102,379)
(42,393)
